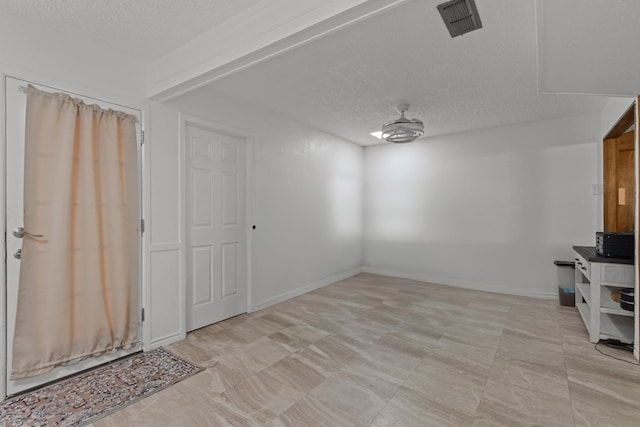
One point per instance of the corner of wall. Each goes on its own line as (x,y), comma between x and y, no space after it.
(304,289)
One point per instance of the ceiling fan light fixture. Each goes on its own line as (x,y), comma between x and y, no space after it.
(402,129)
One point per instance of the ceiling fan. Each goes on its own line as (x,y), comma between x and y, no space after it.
(402,129)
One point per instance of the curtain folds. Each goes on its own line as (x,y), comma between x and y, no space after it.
(78,290)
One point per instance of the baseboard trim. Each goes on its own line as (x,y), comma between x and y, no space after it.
(164,341)
(304,289)
(476,286)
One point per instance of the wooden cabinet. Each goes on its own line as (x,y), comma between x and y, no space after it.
(596,278)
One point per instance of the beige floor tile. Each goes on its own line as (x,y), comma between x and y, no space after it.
(206,382)
(493,303)
(510,405)
(276,320)
(256,355)
(617,380)
(204,332)
(336,351)
(374,350)
(593,408)
(209,346)
(158,409)
(449,381)
(379,317)
(396,343)
(526,328)
(260,397)
(478,334)
(409,408)
(225,376)
(525,393)
(465,352)
(544,377)
(211,414)
(304,333)
(288,341)
(120,418)
(400,363)
(310,412)
(318,360)
(298,372)
(520,303)
(577,345)
(362,334)
(517,345)
(195,352)
(326,324)
(362,397)
(250,330)
(417,335)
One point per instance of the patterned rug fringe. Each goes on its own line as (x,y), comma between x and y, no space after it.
(89,396)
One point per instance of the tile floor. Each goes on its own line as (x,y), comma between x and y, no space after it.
(379,351)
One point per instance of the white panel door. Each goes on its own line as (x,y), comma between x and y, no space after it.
(16,102)
(216,257)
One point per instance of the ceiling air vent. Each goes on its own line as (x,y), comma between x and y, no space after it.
(460,16)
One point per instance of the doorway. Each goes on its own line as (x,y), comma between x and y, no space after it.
(215,225)
(14,170)
(621,180)
(619,175)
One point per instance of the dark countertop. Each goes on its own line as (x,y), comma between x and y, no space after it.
(590,254)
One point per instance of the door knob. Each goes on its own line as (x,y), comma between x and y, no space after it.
(20,233)
(17,254)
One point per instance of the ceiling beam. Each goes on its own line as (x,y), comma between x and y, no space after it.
(265,30)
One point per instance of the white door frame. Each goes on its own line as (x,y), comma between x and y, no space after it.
(130,102)
(249,195)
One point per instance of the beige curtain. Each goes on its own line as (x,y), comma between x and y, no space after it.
(78,290)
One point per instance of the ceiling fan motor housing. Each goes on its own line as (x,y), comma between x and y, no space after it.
(402,129)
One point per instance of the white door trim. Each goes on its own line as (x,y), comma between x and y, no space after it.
(186,119)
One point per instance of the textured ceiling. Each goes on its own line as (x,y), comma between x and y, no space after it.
(582,45)
(349,83)
(139,28)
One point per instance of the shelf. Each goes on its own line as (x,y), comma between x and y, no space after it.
(580,277)
(618,285)
(617,311)
(583,309)
(602,316)
(617,327)
(584,290)
(607,305)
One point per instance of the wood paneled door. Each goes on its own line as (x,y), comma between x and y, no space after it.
(619,175)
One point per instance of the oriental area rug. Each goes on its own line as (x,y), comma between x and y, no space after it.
(94,394)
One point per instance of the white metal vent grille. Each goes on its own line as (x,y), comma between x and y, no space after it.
(460,16)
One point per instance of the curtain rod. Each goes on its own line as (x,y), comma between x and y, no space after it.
(23,89)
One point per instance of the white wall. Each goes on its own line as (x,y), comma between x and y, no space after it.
(29,51)
(489,209)
(308,199)
(164,260)
(308,184)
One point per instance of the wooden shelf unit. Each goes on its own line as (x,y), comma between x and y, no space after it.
(603,317)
